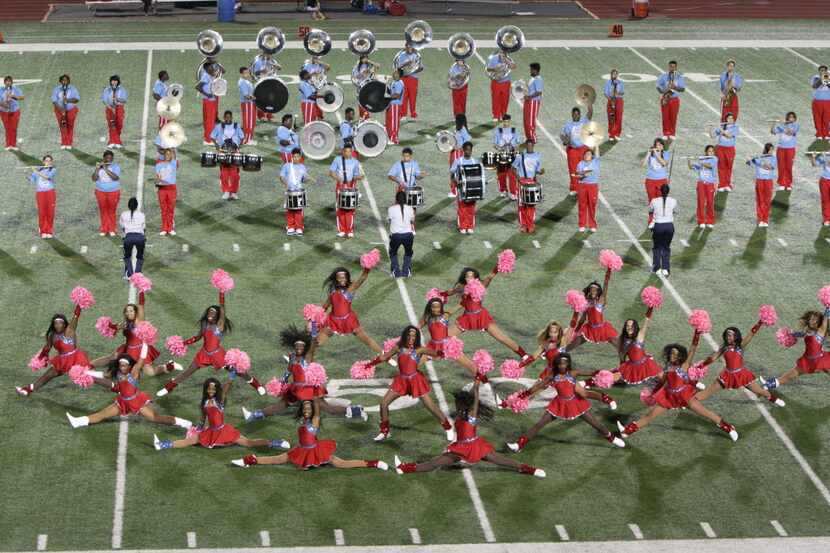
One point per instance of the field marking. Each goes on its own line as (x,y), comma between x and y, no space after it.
(488,245)
(84,249)
(33,249)
(42,541)
(805,58)
(782,242)
(684,242)
(235,247)
(415,535)
(536,244)
(339,539)
(638,534)
(286,246)
(778,528)
(733,242)
(191,540)
(185,248)
(785,439)
(265,538)
(826,240)
(338,246)
(707,529)
(436,245)
(563,534)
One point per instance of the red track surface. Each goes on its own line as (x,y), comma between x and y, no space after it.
(715,9)
(28,10)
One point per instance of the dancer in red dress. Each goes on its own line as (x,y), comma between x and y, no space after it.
(593,326)
(571,402)
(61,336)
(552,341)
(676,390)
(409,381)
(342,319)
(301,348)
(212,431)
(123,373)
(636,365)
(736,375)
(468,448)
(213,326)
(437,321)
(476,316)
(814,359)
(310,452)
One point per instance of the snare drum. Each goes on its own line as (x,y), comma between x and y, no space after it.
(505,157)
(224,158)
(237,159)
(530,193)
(347,198)
(252,162)
(414,196)
(488,159)
(295,199)
(208,159)
(470,180)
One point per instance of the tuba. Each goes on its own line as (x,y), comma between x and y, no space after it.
(362,43)
(270,41)
(210,45)
(509,39)
(460,46)
(172,135)
(168,107)
(417,34)
(518,89)
(317,43)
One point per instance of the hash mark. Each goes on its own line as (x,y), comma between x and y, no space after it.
(338,537)
(416,536)
(191,540)
(638,534)
(563,534)
(778,528)
(707,529)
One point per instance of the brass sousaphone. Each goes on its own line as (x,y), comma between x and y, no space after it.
(460,46)
(210,44)
(510,39)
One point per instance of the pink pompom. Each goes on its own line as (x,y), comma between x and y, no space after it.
(175,345)
(700,321)
(434,293)
(512,369)
(698,371)
(516,403)
(362,370)
(141,282)
(824,295)
(194,430)
(784,337)
(610,260)
(145,332)
(105,327)
(238,359)
(79,376)
(483,361)
(314,313)
(647,397)
(475,289)
(576,301)
(652,297)
(315,374)
(82,297)
(604,379)
(507,261)
(767,315)
(37,362)
(276,387)
(453,348)
(222,281)
(369,259)
(390,343)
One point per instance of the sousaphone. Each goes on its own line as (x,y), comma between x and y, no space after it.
(519,89)
(317,140)
(168,107)
(270,92)
(210,44)
(370,139)
(362,42)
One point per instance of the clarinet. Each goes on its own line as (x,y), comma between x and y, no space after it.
(114,104)
(612,110)
(64,115)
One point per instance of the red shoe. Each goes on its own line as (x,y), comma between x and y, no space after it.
(729,429)
(247,461)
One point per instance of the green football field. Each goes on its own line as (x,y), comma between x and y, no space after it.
(105,486)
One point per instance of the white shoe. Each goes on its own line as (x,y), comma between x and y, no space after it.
(701,225)
(398,464)
(581,229)
(763,224)
(621,428)
(381,437)
(239,463)
(50,236)
(77,422)
(234,196)
(206,143)
(102,234)
(172,233)
(290,232)
(67,147)
(393,362)
(826,223)
(592,229)
(299,232)
(23,391)
(572,193)
(462,231)
(451,195)
(513,446)
(651,225)
(612,405)
(710,226)
(779,402)
(251,143)
(539,473)
(665,137)
(246,414)
(502,194)
(177,366)
(111,146)
(156,443)
(450,435)
(95,374)
(733,435)
(261,390)
(163,233)
(470,231)
(112,234)
(226,196)
(382,466)
(512,197)
(161,393)
(350,235)
(672,137)
(44,235)
(341,234)
(284,444)
(618,442)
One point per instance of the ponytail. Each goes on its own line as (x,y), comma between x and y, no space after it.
(664,192)
(400,199)
(132,204)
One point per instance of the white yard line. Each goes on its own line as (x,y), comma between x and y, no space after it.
(805,58)
(339,539)
(586,10)
(638,534)
(265,538)
(778,528)
(563,534)
(488,245)
(707,529)
(415,535)
(42,541)
(782,242)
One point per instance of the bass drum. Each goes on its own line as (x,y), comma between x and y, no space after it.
(270,95)
(373,97)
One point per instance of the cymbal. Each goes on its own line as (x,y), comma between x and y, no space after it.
(168,107)
(585,95)
(592,134)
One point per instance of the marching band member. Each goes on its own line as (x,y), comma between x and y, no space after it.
(287,139)
(532,101)
(65,98)
(406,173)
(785,152)
(587,171)
(821,102)
(571,137)
(614,91)
(294,175)
(227,136)
(466,210)
(133,223)
(43,178)
(166,170)
(706,167)
(731,83)
(114,98)
(160,90)
(247,106)
(262,66)
(308,99)
(210,102)
(505,138)
(765,166)
(459,95)
(107,179)
(346,129)
(499,89)
(364,69)
(656,162)
(346,172)
(670,84)
(393,110)
(10,98)
(727,135)
(462,136)
(316,66)
(410,81)
(527,166)
(823,160)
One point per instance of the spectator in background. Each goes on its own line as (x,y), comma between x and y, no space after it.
(313,6)
(401,233)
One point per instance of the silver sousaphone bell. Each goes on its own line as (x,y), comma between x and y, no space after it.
(317,140)
(510,39)
(370,139)
(362,42)
(317,42)
(210,44)
(270,40)
(270,93)
(169,107)
(418,34)
(461,46)
(445,141)
(519,89)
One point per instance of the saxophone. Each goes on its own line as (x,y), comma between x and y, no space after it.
(665,98)
(730,91)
